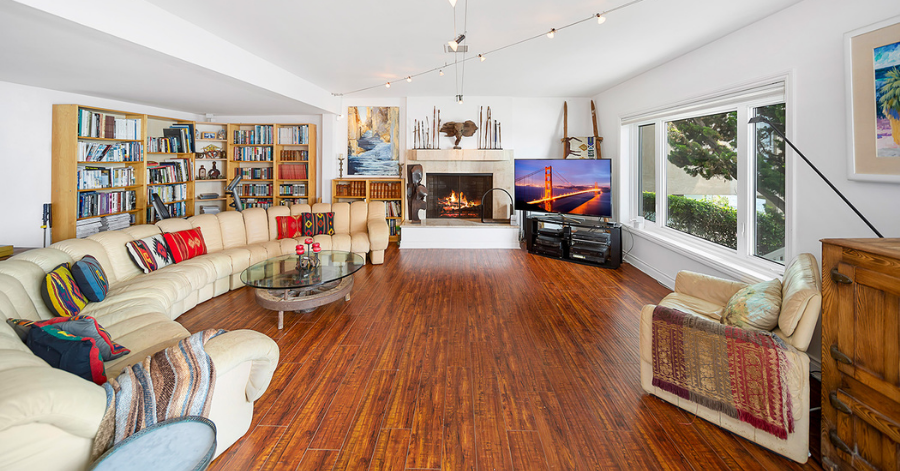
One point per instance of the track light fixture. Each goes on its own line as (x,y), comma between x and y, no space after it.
(481,56)
(409,78)
(441,73)
(600,19)
(551,33)
(455,43)
(387,85)
(459,99)
(453,3)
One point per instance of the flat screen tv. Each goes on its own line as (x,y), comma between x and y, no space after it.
(578,186)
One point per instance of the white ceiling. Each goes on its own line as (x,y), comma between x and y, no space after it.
(346,45)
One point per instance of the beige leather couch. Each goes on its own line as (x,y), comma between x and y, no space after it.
(706,296)
(48,418)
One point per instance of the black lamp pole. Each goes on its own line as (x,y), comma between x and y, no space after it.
(760,119)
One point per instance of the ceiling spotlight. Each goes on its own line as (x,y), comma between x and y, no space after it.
(453,3)
(409,78)
(481,56)
(455,43)
(387,85)
(340,116)
(551,33)
(441,73)
(600,19)
(459,99)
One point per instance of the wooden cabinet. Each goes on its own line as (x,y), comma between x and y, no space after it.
(861,354)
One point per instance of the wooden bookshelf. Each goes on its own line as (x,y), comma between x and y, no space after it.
(204,165)
(180,203)
(390,190)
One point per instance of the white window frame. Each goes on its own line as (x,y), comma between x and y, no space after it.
(742,263)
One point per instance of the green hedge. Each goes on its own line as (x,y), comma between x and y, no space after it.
(716,223)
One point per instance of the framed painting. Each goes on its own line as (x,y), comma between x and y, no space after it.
(373,141)
(872,56)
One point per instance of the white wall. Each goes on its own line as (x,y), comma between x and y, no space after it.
(26,126)
(805,41)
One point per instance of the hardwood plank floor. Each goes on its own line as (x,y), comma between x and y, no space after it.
(470,360)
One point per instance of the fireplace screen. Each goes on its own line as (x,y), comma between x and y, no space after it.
(458,195)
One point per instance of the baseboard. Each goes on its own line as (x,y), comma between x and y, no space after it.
(650,271)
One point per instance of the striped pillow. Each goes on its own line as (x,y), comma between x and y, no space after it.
(185,245)
(324,224)
(61,294)
(288,226)
(90,278)
(150,253)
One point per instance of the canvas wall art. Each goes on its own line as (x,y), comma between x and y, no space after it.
(373,141)
(873,95)
(582,148)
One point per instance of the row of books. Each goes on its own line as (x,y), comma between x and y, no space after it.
(255,203)
(255,190)
(350,189)
(95,178)
(95,203)
(393,209)
(253,154)
(169,171)
(298,189)
(293,135)
(394,226)
(292,171)
(118,152)
(260,134)
(116,222)
(170,193)
(254,173)
(294,155)
(175,210)
(177,139)
(382,190)
(102,125)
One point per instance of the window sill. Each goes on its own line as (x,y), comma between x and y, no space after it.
(709,254)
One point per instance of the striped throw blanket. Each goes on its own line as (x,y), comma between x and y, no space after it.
(175,382)
(739,372)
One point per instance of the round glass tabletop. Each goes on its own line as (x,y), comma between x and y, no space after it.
(185,443)
(284,273)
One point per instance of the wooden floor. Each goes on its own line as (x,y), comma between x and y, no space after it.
(470,360)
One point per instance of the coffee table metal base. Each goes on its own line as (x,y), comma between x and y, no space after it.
(303,299)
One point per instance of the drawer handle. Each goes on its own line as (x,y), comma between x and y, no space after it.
(838,443)
(838,405)
(839,356)
(839,277)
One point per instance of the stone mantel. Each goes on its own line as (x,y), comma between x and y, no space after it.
(450,155)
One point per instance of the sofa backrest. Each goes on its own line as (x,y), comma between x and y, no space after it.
(17,301)
(233,232)
(272,213)
(114,243)
(210,229)
(256,225)
(801,300)
(359,216)
(376,210)
(78,248)
(174,225)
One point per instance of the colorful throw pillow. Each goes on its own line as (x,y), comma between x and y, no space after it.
(755,307)
(61,294)
(307,224)
(324,224)
(289,226)
(87,326)
(90,278)
(73,353)
(150,253)
(21,327)
(185,245)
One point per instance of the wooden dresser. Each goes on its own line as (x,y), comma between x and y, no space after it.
(861,354)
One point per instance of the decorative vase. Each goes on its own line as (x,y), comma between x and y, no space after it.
(214,172)
(201,175)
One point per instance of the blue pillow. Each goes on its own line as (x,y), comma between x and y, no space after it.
(90,278)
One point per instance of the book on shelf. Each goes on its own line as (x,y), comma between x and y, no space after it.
(253,154)
(178,209)
(95,178)
(255,189)
(289,189)
(257,203)
(254,173)
(115,222)
(260,134)
(186,134)
(293,135)
(105,126)
(294,155)
(296,171)
(393,209)
(169,171)
(351,189)
(394,227)
(118,152)
(169,193)
(96,203)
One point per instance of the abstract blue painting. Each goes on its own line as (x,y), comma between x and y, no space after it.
(373,140)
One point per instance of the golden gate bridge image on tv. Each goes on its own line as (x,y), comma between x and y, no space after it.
(537,191)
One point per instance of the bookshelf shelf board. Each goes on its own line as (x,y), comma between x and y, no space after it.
(173,183)
(208,160)
(110,214)
(130,187)
(126,162)
(293,179)
(255,180)
(107,139)
(348,196)
(252,161)
(174,202)
(385,199)
(257,197)
(201,200)
(171,153)
(253,145)
(211,140)
(293,144)
(210,181)
(293,197)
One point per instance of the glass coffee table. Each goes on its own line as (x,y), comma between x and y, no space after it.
(282,285)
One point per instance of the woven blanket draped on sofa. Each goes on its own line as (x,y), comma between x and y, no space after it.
(175,382)
(736,371)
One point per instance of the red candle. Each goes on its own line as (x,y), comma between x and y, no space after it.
(316,249)
(316,246)
(300,250)
(308,240)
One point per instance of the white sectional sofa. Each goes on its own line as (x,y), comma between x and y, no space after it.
(49,418)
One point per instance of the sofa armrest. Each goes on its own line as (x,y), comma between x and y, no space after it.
(708,288)
(236,347)
(41,394)
(379,233)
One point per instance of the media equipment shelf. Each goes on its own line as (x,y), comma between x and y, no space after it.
(586,242)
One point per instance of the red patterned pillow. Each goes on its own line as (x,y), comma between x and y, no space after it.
(185,245)
(288,226)
(308,224)
(324,224)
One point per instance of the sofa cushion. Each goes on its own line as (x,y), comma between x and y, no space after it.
(288,226)
(78,248)
(307,225)
(185,245)
(359,216)
(150,253)
(61,294)
(801,290)
(68,352)
(115,245)
(211,231)
(756,306)
(256,225)
(233,232)
(90,278)
(324,224)
(88,327)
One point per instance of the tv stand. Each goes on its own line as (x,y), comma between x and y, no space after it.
(590,243)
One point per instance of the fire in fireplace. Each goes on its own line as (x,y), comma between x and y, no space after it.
(458,195)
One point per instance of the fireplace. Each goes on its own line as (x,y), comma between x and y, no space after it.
(458,195)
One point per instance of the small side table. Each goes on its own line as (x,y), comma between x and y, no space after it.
(185,443)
